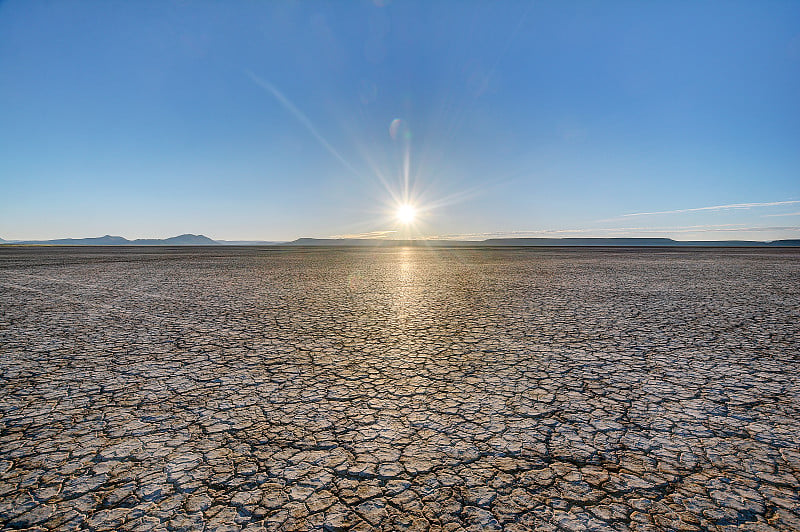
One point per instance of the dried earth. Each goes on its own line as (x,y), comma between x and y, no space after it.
(399,389)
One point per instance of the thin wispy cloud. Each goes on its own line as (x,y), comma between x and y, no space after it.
(783,214)
(718,208)
(302,118)
(617,231)
(739,229)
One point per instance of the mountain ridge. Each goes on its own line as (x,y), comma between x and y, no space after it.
(187,239)
(543,242)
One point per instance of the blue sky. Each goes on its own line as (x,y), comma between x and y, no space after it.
(273,120)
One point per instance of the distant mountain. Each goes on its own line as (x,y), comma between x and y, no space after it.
(629,242)
(182,240)
(625,242)
(108,240)
(544,242)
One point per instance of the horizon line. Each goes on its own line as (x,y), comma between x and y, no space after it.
(207,241)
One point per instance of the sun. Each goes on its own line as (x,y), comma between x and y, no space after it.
(406,213)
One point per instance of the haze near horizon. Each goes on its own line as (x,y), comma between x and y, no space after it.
(454,120)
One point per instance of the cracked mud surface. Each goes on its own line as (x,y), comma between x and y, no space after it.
(399,389)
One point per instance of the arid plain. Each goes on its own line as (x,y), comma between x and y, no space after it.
(399,389)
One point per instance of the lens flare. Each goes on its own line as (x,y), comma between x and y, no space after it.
(399,130)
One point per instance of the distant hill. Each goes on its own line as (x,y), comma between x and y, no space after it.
(182,240)
(108,240)
(636,242)
(625,242)
(544,242)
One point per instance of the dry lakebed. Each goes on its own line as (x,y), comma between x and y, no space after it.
(439,389)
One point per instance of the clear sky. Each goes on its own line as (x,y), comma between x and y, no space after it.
(277,120)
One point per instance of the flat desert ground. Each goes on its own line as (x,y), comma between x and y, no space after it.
(399,389)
